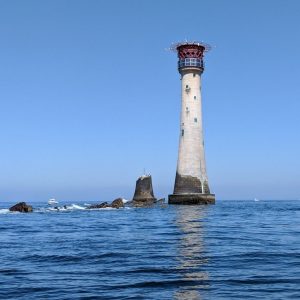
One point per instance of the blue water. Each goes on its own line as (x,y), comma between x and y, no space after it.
(232,250)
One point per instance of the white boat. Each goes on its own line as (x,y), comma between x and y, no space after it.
(52,201)
(255,199)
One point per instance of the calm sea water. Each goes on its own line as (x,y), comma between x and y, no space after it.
(233,250)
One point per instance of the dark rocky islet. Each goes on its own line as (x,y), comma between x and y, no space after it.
(22,207)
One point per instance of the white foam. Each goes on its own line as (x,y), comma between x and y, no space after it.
(66,208)
(102,208)
(4,211)
(75,206)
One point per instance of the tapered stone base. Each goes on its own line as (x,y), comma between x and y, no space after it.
(143,190)
(192,199)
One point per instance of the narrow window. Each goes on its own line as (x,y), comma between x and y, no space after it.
(195,97)
(186,86)
(194,75)
(182,132)
(195,120)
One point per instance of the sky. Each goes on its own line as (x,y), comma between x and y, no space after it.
(90,97)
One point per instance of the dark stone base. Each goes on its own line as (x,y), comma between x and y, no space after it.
(143,203)
(143,189)
(186,184)
(192,199)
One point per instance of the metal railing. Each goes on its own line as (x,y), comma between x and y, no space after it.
(191,62)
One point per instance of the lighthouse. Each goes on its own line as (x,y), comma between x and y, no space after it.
(191,181)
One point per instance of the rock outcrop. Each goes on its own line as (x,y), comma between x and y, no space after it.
(143,191)
(21,207)
(117,203)
(100,205)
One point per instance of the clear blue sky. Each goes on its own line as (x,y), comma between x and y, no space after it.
(89,97)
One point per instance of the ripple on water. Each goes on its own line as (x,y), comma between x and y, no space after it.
(235,249)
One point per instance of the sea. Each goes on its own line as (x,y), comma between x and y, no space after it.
(231,250)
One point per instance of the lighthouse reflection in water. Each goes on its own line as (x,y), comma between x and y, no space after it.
(191,253)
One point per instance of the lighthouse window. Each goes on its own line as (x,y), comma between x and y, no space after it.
(195,120)
(194,75)
(195,97)
(182,132)
(186,86)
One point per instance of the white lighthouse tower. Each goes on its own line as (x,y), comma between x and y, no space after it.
(191,183)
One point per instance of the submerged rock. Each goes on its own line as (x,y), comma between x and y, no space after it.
(143,191)
(117,203)
(21,207)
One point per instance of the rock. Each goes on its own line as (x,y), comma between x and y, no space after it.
(161,200)
(117,203)
(146,202)
(100,205)
(21,207)
(143,190)
(143,203)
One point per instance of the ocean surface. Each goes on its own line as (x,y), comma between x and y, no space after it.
(231,250)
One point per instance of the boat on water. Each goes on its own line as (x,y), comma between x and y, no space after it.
(255,199)
(52,201)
